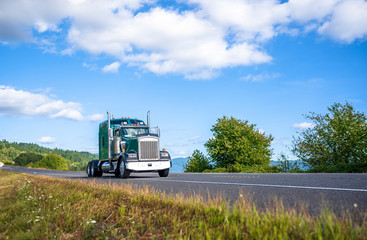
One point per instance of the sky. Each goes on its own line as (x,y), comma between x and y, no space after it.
(64,63)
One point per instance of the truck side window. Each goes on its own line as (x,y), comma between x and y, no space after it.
(102,141)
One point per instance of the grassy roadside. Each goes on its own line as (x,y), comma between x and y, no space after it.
(38,207)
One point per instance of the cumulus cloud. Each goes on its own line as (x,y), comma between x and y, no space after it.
(46,140)
(303,125)
(348,21)
(208,36)
(111,68)
(24,103)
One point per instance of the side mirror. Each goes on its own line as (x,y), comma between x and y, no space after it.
(110,134)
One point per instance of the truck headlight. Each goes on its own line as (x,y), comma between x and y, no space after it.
(132,155)
(164,155)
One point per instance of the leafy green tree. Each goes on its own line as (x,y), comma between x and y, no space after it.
(197,162)
(76,160)
(338,137)
(237,142)
(27,158)
(52,161)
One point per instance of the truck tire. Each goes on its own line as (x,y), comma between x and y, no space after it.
(122,171)
(94,169)
(163,173)
(88,169)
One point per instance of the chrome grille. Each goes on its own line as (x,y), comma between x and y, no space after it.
(148,149)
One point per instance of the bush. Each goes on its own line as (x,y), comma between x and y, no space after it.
(7,162)
(52,161)
(197,163)
(341,168)
(336,142)
(237,142)
(26,158)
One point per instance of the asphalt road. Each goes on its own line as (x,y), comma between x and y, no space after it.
(338,191)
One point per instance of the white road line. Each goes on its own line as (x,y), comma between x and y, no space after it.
(269,185)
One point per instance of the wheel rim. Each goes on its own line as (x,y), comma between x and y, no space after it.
(92,170)
(88,169)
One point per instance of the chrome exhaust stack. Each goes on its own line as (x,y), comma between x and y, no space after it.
(109,134)
(148,118)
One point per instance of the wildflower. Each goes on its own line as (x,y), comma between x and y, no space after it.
(91,221)
(37,220)
(355,205)
(241,195)
(50,196)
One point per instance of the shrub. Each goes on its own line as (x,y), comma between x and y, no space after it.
(52,161)
(26,158)
(197,162)
(336,138)
(236,141)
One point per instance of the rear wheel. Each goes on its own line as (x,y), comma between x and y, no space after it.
(122,171)
(89,170)
(163,173)
(92,170)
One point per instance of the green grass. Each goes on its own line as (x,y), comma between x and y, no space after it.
(39,207)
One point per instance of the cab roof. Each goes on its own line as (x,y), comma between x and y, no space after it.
(124,122)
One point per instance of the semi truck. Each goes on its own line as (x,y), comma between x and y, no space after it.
(129,145)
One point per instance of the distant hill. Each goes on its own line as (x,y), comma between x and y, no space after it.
(75,160)
(177,164)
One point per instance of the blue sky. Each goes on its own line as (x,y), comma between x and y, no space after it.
(64,63)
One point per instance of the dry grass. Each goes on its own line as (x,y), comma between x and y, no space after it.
(38,207)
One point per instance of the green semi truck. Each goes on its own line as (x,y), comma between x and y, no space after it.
(129,145)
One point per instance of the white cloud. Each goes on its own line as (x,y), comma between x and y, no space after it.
(91,67)
(111,68)
(197,42)
(248,20)
(303,125)
(68,52)
(260,77)
(348,21)
(46,140)
(308,10)
(96,117)
(24,103)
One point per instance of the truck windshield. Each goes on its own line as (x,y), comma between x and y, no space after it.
(132,132)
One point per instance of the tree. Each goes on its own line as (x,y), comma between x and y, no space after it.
(26,158)
(52,161)
(237,142)
(338,137)
(197,162)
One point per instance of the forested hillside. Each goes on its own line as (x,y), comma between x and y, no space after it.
(75,160)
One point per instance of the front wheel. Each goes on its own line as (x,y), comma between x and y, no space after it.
(163,173)
(123,172)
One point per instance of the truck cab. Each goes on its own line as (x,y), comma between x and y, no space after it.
(129,145)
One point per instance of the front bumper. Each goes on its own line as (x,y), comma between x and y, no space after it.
(148,166)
